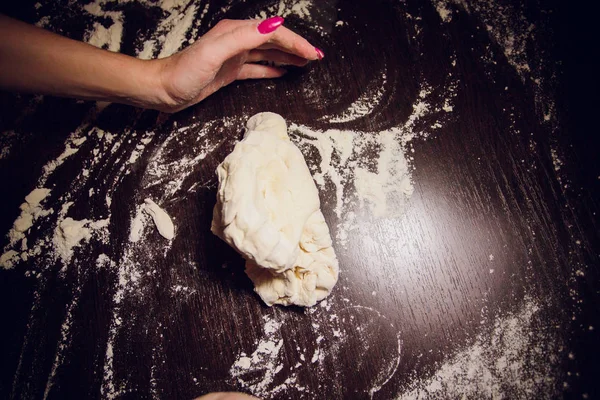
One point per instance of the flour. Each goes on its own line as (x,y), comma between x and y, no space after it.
(181,24)
(161,219)
(134,157)
(391,178)
(371,171)
(557,162)
(443,11)
(148,49)
(7,139)
(509,29)
(170,5)
(342,154)
(129,285)
(72,145)
(512,361)
(168,168)
(31,210)
(285,8)
(137,225)
(364,105)
(64,343)
(69,233)
(168,37)
(259,372)
(9,258)
(107,38)
(265,359)
(371,176)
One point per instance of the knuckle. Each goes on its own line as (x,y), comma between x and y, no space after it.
(219,26)
(224,23)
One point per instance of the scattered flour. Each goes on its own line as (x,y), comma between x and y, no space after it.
(137,225)
(391,178)
(512,361)
(505,24)
(343,156)
(31,210)
(169,168)
(108,38)
(72,145)
(364,105)
(285,8)
(367,170)
(181,23)
(148,49)
(266,359)
(64,342)
(445,14)
(7,139)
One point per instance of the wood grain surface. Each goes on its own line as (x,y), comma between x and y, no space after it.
(485,285)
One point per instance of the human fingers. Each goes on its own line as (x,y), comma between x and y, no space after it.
(274,46)
(226,396)
(276,56)
(232,37)
(256,71)
(239,36)
(290,42)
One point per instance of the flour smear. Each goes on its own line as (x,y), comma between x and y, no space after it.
(368,175)
(515,360)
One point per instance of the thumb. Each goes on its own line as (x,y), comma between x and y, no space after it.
(247,36)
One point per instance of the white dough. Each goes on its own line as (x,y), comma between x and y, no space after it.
(268,209)
(161,219)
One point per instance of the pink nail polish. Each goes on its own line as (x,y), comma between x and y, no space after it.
(320,53)
(269,25)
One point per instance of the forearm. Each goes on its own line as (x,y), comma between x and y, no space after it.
(33,60)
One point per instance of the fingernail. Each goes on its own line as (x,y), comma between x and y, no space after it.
(320,53)
(269,25)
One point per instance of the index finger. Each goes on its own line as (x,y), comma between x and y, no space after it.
(230,37)
(290,42)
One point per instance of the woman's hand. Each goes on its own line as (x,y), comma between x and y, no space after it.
(33,60)
(226,53)
(226,396)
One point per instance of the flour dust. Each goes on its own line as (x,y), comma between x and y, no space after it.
(363,172)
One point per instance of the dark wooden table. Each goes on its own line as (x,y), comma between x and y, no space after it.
(486,285)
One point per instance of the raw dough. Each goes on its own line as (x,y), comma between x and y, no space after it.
(268,209)
(161,219)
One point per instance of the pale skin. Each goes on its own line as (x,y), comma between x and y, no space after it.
(226,396)
(33,60)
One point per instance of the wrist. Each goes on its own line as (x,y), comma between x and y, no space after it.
(150,90)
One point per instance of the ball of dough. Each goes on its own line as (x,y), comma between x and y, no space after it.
(268,209)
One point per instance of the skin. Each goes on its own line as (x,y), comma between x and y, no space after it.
(226,396)
(33,60)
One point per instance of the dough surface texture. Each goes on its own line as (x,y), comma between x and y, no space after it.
(268,209)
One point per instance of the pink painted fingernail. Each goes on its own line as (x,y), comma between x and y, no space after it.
(269,25)
(320,53)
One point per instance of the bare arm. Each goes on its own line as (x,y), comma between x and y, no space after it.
(33,60)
